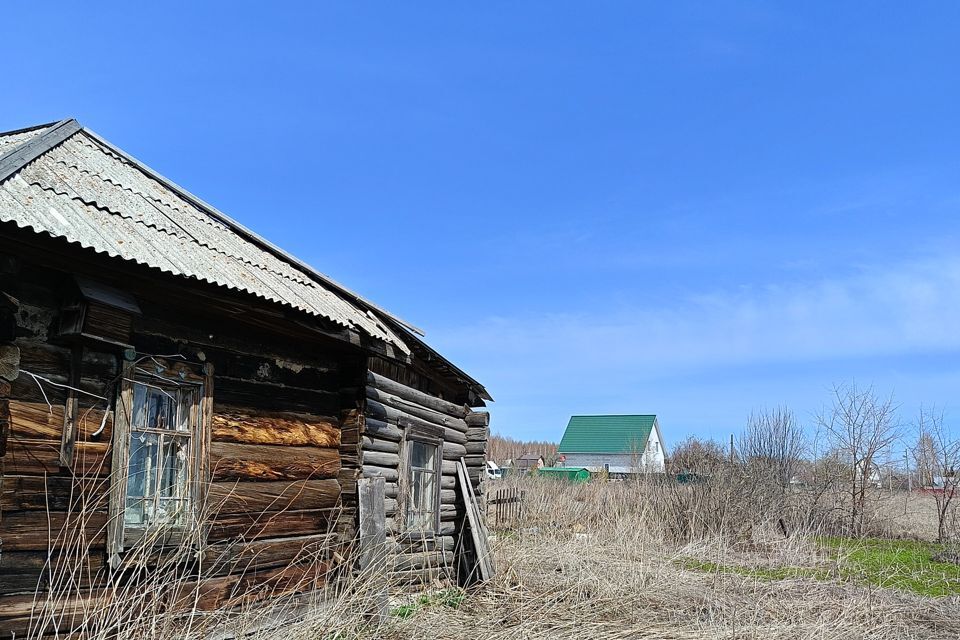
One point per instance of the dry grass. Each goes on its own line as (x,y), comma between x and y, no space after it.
(597,561)
(605,560)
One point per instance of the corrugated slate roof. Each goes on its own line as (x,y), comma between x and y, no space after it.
(607,434)
(81,189)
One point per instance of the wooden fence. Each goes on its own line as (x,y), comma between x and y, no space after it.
(505,507)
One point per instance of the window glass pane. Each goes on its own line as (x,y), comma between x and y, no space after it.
(158,474)
(422,502)
(173,489)
(143,464)
(422,455)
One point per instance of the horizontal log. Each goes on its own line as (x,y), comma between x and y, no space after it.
(430,559)
(245,426)
(25,571)
(416,578)
(448,496)
(40,421)
(269,397)
(395,526)
(49,615)
(37,457)
(390,506)
(39,530)
(381,459)
(448,468)
(478,434)
(475,448)
(389,474)
(376,444)
(259,525)
(413,395)
(380,411)
(402,544)
(232,591)
(478,419)
(391,489)
(450,512)
(453,451)
(244,556)
(53,493)
(382,430)
(231,461)
(414,409)
(241,497)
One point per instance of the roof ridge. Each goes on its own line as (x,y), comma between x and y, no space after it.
(614,415)
(22,155)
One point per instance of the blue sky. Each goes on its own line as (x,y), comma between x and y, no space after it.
(692,209)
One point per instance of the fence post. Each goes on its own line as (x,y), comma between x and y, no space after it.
(373,546)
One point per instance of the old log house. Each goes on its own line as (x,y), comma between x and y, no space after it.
(170,380)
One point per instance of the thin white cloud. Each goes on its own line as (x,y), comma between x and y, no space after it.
(891,309)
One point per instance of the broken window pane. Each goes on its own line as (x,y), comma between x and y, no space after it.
(158,475)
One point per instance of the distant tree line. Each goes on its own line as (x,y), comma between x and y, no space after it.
(503,448)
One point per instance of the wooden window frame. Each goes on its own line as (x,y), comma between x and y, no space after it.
(429,436)
(120,536)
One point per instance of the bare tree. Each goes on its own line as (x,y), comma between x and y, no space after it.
(937,455)
(860,426)
(773,442)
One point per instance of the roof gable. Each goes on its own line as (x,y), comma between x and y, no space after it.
(607,434)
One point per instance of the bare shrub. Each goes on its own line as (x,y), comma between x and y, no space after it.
(937,454)
(772,445)
(860,426)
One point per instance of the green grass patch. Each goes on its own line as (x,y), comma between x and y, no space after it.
(760,573)
(451,598)
(892,564)
(897,564)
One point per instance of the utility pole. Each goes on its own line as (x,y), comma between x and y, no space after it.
(906,458)
(731,450)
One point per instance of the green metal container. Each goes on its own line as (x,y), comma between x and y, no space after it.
(575,475)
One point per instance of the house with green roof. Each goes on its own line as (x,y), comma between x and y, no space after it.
(620,445)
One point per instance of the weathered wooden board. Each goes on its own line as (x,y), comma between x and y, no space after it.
(241,556)
(372,560)
(232,461)
(244,426)
(261,525)
(39,421)
(39,530)
(37,457)
(53,493)
(251,497)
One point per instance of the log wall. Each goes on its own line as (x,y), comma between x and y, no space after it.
(391,408)
(283,458)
